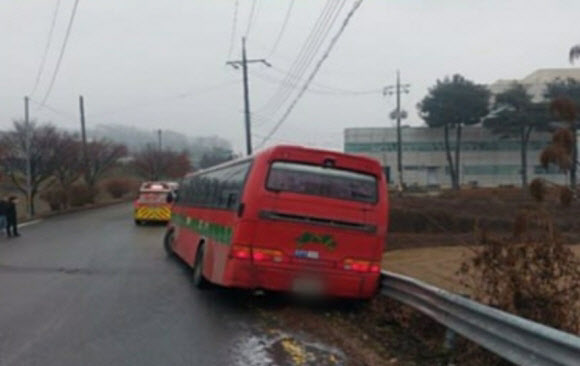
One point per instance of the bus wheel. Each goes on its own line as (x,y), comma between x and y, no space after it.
(138,222)
(169,243)
(198,280)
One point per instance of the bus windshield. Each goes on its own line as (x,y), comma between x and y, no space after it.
(322,181)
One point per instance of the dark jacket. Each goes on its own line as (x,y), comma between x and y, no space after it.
(11,210)
(3,208)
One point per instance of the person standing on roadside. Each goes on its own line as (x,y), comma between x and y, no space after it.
(11,223)
(3,212)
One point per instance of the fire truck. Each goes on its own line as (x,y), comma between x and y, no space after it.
(154,202)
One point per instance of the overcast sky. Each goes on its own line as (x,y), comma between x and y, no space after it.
(161,64)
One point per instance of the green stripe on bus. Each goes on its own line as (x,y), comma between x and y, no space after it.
(211,230)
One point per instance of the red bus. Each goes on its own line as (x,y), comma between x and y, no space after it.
(285,219)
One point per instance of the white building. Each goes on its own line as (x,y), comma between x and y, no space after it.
(485,159)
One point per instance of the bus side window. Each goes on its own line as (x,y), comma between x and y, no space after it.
(232,200)
(221,201)
(214,192)
(192,191)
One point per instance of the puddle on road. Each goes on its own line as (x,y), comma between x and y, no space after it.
(278,348)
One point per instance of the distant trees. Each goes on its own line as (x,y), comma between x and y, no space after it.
(215,157)
(565,97)
(40,142)
(55,158)
(514,114)
(453,103)
(101,156)
(574,53)
(69,154)
(152,164)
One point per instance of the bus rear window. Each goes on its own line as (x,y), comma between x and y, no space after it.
(322,181)
(152,197)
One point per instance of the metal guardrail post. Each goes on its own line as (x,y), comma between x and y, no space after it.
(515,339)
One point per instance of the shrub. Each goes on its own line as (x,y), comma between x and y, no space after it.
(538,189)
(535,276)
(564,138)
(56,198)
(566,196)
(80,195)
(117,188)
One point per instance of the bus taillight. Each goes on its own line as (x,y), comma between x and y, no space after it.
(267,255)
(241,252)
(361,265)
(257,254)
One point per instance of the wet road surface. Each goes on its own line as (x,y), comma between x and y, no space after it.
(92,288)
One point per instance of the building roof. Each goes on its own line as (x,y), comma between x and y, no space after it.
(536,81)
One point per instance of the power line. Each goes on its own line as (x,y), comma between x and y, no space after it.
(234,27)
(170,98)
(69,117)
(333,42)
(322,89)
(283,28)
(47,47)
(60,56)
(297,71)
(304,51)
(251,18)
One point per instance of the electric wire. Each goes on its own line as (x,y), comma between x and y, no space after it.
(234,28)
(61,54)
(321,89)
(333,42)
(46,48)
(283,28)
(296,74)
(170,98)
(251,18)
(293,74)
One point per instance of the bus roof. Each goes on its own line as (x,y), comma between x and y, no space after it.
(355,162)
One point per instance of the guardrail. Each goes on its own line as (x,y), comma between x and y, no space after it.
(518,340)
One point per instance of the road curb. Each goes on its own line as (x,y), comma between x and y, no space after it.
(74,210)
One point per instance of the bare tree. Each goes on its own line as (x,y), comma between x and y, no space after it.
(43,157)
(152,164)
(574,53)
(101,156)
(69,153)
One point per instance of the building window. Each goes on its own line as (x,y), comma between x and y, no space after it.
(429,146)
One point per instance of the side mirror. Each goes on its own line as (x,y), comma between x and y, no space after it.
(170,197)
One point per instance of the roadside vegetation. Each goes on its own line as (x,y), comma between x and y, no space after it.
(63,173)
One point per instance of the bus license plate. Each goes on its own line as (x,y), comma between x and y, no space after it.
(308,286)
(308,254)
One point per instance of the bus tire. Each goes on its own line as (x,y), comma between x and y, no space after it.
(198,280)
(169,242)
(138,222)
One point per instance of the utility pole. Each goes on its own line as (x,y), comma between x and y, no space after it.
(28,143)
(398,115)
(159,145)
(83,133)
(159,156)
(244,63)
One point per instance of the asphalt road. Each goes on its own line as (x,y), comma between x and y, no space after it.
(92,288)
